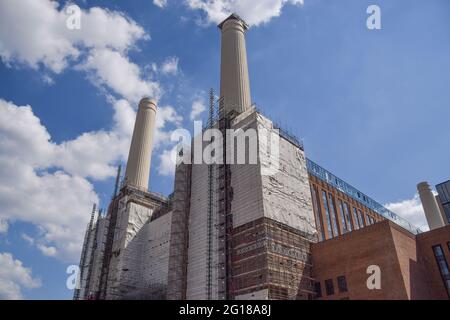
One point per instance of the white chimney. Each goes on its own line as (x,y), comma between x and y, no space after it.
(430,206)
(138,165)
(234,80)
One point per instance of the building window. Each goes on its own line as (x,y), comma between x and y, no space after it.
(327,214)
(333,214)
(317,212)
(329,288)
(347,216)
(318,289)
(443,266)
(447,210)
(342,284)
(355,219)
(343,218)
(361,219)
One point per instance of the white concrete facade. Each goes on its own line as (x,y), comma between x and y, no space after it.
(125,266)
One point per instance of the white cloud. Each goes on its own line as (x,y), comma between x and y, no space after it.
(27,238)
(34,32)
(3,225)
(48,79)
(92,154)
(411,210)
(253,12)
(47,250)
(45,183)
(14,277)
(59,202)
(167,162)
(170,66)
(114,70)
(198,106)
(165,115)
(160,3)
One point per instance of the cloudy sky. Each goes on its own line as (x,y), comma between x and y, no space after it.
(372,106)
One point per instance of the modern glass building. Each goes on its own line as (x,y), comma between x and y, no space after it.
(443,190)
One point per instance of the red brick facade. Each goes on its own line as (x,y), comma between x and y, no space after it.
(408,268)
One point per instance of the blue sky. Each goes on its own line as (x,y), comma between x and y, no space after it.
(372,106)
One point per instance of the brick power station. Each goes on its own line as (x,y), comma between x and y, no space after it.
(229,231)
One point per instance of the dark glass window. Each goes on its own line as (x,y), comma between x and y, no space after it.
(355,219)
(333,214)
(447,210)
(443,266)
(361,218)
(329,288)
(347,216)
(342,284)
(327,214)
(318,289)
(444,197)
(343,218)
(317,212)
(443,190)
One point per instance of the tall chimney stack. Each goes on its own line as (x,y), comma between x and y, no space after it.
(234,80)
(430,206)
(138,165)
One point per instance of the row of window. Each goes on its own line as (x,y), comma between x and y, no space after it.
(326,176)
(442,264)
(332,218)
(329,286)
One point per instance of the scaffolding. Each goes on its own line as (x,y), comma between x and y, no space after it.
(87,293)
(179,238)
(84,254)
(272,256)
(109,240)
(211,191)
(225,218)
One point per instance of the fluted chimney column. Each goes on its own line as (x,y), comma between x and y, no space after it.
(234,80)
(139,158)
(430,206)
